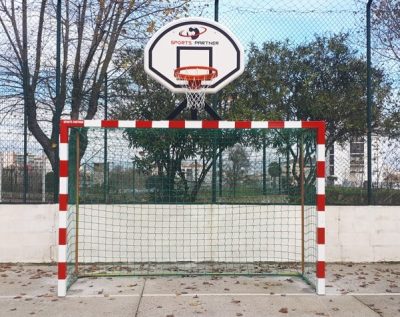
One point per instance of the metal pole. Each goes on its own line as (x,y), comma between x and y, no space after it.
(214,172)
(133,181)
(1,176)
(280,176)
(302,192)
(25,84)
(215,101)
(84,183)
(58,100)
(369,106)
(264,167)
(216,10)
(105,168)
(43,177)
(77,163)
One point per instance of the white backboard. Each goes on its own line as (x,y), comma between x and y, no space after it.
(193,42)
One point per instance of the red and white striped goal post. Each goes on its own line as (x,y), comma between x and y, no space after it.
(65,125)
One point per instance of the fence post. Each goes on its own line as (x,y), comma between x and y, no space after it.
(58,102)
(105,163)
(216,10)
(1,176)
(369,106)
(44,177)
(25,74)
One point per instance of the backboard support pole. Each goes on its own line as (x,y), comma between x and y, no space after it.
(174,114)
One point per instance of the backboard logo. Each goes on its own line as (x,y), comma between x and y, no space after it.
(192,32)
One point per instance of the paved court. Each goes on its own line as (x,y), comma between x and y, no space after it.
(352,290)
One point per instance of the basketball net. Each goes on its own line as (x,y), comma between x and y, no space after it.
(197,79)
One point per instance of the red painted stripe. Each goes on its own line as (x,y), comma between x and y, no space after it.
(62,270)
(63,168)
(321,134)
(320,169)
(320,235)
(207,124)
(62,236)
(177,124)
(276,124)
(319,125)
(141,124)
(309,124)
(320,202)
(243,124)
(63,202)
(63,133)
(73,123)
(109,123)
(321,269)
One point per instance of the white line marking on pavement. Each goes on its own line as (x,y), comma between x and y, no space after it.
(199,294)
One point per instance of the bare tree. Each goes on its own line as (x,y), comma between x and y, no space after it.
(92,31)
(386,27)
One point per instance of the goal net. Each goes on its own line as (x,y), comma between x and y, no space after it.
(190,198)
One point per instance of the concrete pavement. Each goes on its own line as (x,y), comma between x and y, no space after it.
(352,290)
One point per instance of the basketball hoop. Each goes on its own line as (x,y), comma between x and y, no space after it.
(197,78)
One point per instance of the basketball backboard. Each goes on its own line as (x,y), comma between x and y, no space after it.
(193,41)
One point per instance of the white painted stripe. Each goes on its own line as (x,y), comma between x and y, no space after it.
(292,124)
(259,124)
(227,294)
(321,286)
(62,288)
(193,124)
(321,252)
(63,185)
(321,152)
(226,124)
(320,186)
(126,124)
(92,123)
(160,124)
(321,219)
(62,253)
(63,152)
(209,295)
(62,219)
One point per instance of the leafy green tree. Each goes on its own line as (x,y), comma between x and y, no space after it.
(274,170)
(164,152)
(320,80)
(237,166)
(386,46)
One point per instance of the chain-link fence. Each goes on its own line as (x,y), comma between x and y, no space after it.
(305,60)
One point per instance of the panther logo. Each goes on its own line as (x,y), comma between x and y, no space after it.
(193,32)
